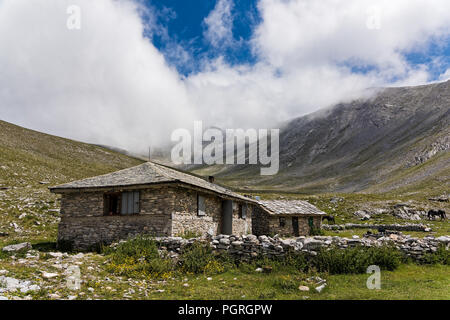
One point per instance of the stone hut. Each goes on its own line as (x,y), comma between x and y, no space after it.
(286,218)
(148,199)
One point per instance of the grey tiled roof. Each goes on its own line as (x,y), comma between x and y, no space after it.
(146,174)
(290,207)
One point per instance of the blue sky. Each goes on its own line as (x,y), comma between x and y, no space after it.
(185,25)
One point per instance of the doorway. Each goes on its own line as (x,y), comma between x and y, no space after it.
(295,226)
(227,217)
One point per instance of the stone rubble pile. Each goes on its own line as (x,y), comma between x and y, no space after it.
(250,246)
(402,211)
(8,284)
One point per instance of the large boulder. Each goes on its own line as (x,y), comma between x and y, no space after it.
(17,247)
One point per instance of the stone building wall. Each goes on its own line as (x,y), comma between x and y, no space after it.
(84,233)
(288,229)
(164,211)
(185,218)
(240,225)
(260,222)
(79,204)
(265,224)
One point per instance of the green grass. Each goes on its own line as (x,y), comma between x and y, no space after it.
(408,282)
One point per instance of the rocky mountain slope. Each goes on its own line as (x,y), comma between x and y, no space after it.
(397,139)
(30,161)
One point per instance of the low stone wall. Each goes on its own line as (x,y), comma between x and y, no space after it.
(393,227)
(250,247)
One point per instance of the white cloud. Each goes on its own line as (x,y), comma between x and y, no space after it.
(103,83)
(106,83)
(219,24)
(445,76)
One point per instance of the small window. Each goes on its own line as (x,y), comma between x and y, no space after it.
(201,211)
(282,222)
(243,211)
(111,204)
(130,203)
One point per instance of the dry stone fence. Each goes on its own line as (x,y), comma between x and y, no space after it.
(248,247)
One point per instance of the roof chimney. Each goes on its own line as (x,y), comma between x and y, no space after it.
(211,179)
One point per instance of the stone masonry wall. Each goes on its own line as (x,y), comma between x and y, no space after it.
(185,217)
(87,204)
(83,233)
(260,222)
(241,226)
(288,229)
(246,248)
(265,224)
(164,211)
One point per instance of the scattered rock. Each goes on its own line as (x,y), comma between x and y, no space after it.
(320,288)
(303,288)
(17,247)
(49,275)
(444,239)
(336,199)
(8,284)
(259,270)
(362,214)
(55,254)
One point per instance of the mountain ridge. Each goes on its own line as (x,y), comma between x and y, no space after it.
(357,146)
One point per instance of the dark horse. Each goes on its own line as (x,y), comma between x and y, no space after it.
(439,213)
(329,219)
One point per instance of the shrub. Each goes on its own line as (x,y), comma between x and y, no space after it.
(298,261)
(213,267)
(196,257)
(138,257)
(441,256)
(134,249)
(356,259)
